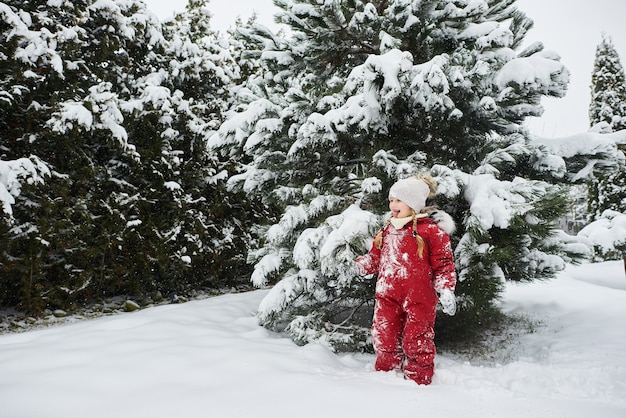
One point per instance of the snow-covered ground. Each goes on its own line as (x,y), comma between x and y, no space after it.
(209,358)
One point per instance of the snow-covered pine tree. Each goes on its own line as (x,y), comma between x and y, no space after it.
(608,106)
(608,87)
(210,229)
(364,92)
(120,113)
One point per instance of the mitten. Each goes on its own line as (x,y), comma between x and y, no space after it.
(360,265)
(448,301)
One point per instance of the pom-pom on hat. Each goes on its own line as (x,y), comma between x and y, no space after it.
(412,191)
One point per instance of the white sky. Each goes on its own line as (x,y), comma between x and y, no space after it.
(573,29)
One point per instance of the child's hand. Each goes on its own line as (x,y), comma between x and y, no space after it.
(448,301)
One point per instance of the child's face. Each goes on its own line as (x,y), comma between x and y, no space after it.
(399,209)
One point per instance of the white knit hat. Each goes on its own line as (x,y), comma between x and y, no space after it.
(411,191)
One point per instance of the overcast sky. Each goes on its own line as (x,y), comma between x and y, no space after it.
(573,29)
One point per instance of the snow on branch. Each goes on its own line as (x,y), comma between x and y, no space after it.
(494,202)
(100,110)
(35,48)
(15,172)
(596,150)
(130,18)
(541,72)
(248,128)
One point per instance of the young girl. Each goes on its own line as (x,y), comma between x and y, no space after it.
(413,258)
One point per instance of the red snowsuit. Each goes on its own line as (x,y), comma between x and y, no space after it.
(406,295)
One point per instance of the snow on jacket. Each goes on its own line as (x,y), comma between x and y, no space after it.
(400,268)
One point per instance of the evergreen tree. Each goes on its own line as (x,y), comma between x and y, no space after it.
(72,118)
(608,106)
(363,93)
(212,221)
(120,111)
(608,87)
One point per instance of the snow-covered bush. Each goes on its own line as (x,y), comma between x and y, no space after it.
(607,235)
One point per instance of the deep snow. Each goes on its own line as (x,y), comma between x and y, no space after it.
(209,358)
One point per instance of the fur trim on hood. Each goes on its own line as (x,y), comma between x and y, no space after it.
(441,218)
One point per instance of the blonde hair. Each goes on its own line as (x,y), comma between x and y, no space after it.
(378,238)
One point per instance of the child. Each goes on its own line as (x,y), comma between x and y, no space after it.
(413,258)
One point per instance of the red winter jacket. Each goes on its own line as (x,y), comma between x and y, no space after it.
(402,273)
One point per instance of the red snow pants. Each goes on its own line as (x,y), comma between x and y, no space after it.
(403,337)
